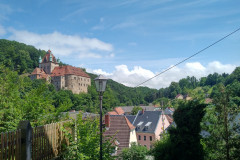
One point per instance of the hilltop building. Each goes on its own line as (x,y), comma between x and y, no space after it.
(62,77)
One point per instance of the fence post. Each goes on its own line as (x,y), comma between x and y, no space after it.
(26,138)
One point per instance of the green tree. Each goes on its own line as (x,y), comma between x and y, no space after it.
(222,125)
(183,142)
(86,144)
(135,110)
(135,152)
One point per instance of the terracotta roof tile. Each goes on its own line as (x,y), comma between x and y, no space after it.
(120,129)
(119,110)
(112,113)
(68,70)
(38,71)
(129,123)
(46,57)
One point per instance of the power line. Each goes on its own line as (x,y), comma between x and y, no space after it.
(190,56)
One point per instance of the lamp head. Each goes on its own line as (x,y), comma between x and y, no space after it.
(100,83)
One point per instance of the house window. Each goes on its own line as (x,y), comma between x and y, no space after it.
(139,137)
(144,138)
(150,138)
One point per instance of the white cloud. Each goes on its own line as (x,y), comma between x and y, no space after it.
(137,75)
(62,44)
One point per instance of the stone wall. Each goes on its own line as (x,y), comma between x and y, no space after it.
(76,84)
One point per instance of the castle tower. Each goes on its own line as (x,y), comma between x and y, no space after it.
(48,63)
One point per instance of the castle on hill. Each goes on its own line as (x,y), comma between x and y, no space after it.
(62,77)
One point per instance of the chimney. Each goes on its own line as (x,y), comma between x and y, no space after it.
(107,120)
(142,111)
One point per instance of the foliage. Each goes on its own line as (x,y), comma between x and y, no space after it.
(134,152)
(183,142)
(221,124)
(135,110)
(86,144)
(163,149)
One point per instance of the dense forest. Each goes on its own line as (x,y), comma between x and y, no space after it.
(21,98)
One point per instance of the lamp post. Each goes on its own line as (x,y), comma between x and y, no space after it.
(100,83)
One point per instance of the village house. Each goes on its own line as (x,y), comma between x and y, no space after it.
(62,77)
(116,111)
(149,126)
(121,129)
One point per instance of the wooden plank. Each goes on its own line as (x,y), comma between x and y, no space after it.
(2,145)
(33,143)
(9,145)
(16,149)
(6,145)
(37,142)
(13,145)
(20,144)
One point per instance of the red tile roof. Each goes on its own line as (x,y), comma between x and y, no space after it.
(46,57)
(112,113)
(41,72)
(68,70)
(38,71)
(169,118)
(120,129)
(117,111)
(131,127)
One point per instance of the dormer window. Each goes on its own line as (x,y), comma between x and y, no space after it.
(139,125)
(146,127)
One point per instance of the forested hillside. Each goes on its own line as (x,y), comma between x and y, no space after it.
(21,98)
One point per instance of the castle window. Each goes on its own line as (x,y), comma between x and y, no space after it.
(81,79)
(74,78)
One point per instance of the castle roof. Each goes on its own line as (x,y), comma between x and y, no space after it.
(68,70)
(46,58)
(39,71)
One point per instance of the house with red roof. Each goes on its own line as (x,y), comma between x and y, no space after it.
(62,77)
(121,129)
(116,111)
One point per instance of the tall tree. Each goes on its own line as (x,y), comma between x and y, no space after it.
(222,126)
(183,142)
(86,144)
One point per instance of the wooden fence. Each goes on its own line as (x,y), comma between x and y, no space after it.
(46,142)
(10,145)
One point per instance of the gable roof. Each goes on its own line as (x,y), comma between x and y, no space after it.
(120,128)
(142,120)
(40,72)
(131,118)
(68,70)
(46,58)
(130,108)
(117,111)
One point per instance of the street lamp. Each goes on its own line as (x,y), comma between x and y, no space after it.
(100,83)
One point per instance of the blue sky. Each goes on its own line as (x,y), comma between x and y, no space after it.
(129,40)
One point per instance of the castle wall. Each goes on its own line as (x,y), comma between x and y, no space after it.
(77,84)
(48,67)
